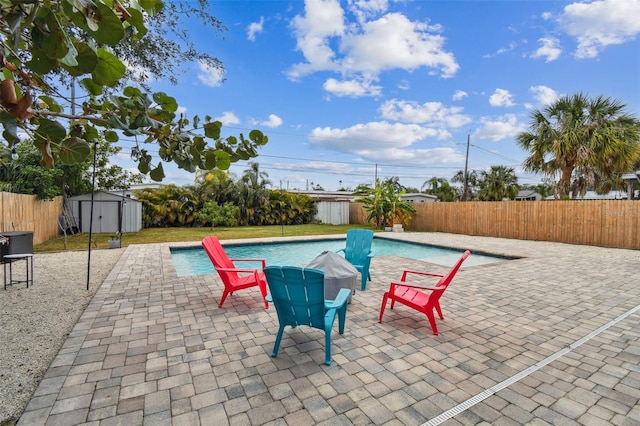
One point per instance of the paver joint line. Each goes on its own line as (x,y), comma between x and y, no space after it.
(516,377)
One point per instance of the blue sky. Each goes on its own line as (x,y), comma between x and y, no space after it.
(347,91)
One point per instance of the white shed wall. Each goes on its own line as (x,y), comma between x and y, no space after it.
(333,212)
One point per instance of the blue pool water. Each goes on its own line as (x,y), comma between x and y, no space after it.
(194,261)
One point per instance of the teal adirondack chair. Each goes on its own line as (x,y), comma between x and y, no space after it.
(298,295)
(358,252)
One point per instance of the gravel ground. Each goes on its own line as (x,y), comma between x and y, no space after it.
(35,322)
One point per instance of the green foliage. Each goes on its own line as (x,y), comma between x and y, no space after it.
(215,215)
(50,41)
(497,184)
(217,200)
(441,188)
(586,141)
(383,203)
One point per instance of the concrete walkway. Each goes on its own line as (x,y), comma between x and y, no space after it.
(551,338)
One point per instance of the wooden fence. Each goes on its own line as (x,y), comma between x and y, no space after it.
(604,223)
(21,212)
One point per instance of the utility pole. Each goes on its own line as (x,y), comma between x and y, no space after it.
(465,187)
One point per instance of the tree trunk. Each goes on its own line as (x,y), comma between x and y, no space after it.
(564,185)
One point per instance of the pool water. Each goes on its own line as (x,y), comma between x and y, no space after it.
(194,261)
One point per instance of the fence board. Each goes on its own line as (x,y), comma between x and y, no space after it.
(604,223)
(20,212)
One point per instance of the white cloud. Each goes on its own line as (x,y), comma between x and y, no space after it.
(210,76)
(549,50)
(352,88)
(544,95)
(255,28)
(501,97)
(502,50)
(459,95)
(429,113)
(504,127)
(370,136)
(362,50)
(181,110)
(227,118)
(273,121)
(599,24)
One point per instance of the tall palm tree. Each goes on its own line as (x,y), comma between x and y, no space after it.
(584,140)
(252,194)
(498,183)
(472,183)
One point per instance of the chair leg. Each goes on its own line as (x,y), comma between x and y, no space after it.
(342,315)
(276,345)
(432,321)
(327,343)
(225,293)
(363,286)
(439,310)
(384,305)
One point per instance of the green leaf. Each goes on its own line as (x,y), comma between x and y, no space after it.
(91,86)
(50,130)
(223,160)
(74,150)
(210,160)
(157,174)
(131,91)
(137,21)
(212,130)
(41,63)
(87,59)
(143,166)
(50,103)
(258,137)
(109,69)
(109,27)
(10,125)
(167,103)
(111,136)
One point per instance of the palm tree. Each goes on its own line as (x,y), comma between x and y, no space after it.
(441,188)
(472,183)
(252,194)
(498,183)
(586,141)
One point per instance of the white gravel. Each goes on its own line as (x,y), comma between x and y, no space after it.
(35,322)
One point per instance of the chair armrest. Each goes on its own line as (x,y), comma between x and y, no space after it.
(262,261)
(371,254)
(341,250)
(340,300)
(422,287)
(426,274)
(237,269)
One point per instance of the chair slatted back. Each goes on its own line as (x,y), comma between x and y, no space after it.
(219,258)
(446,280)
(298,295)
(358,245)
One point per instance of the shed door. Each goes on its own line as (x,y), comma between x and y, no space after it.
(106,216)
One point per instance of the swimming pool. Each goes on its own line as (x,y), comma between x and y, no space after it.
(194,261)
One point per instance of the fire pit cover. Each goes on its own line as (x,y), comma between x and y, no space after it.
(338,273)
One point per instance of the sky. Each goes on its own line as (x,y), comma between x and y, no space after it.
(348,91)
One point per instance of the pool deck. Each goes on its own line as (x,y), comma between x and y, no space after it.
(550,338)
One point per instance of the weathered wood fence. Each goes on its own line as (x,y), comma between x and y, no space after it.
(19,212)
(604,223)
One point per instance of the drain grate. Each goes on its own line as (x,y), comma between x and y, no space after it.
(513,379)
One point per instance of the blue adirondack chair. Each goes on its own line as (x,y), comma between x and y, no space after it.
(358,252)
(298,295)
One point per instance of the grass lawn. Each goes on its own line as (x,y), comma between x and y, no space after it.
(163,235)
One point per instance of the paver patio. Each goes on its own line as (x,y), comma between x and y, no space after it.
(551,338)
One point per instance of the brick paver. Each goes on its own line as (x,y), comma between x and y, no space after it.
(154,348)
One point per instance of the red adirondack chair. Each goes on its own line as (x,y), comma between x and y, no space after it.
(421,298)
(234,278)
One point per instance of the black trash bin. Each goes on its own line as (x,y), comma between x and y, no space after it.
(16,242)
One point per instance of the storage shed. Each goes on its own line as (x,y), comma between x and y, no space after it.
(111,213)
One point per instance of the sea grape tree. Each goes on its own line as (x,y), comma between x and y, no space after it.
(48,43)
